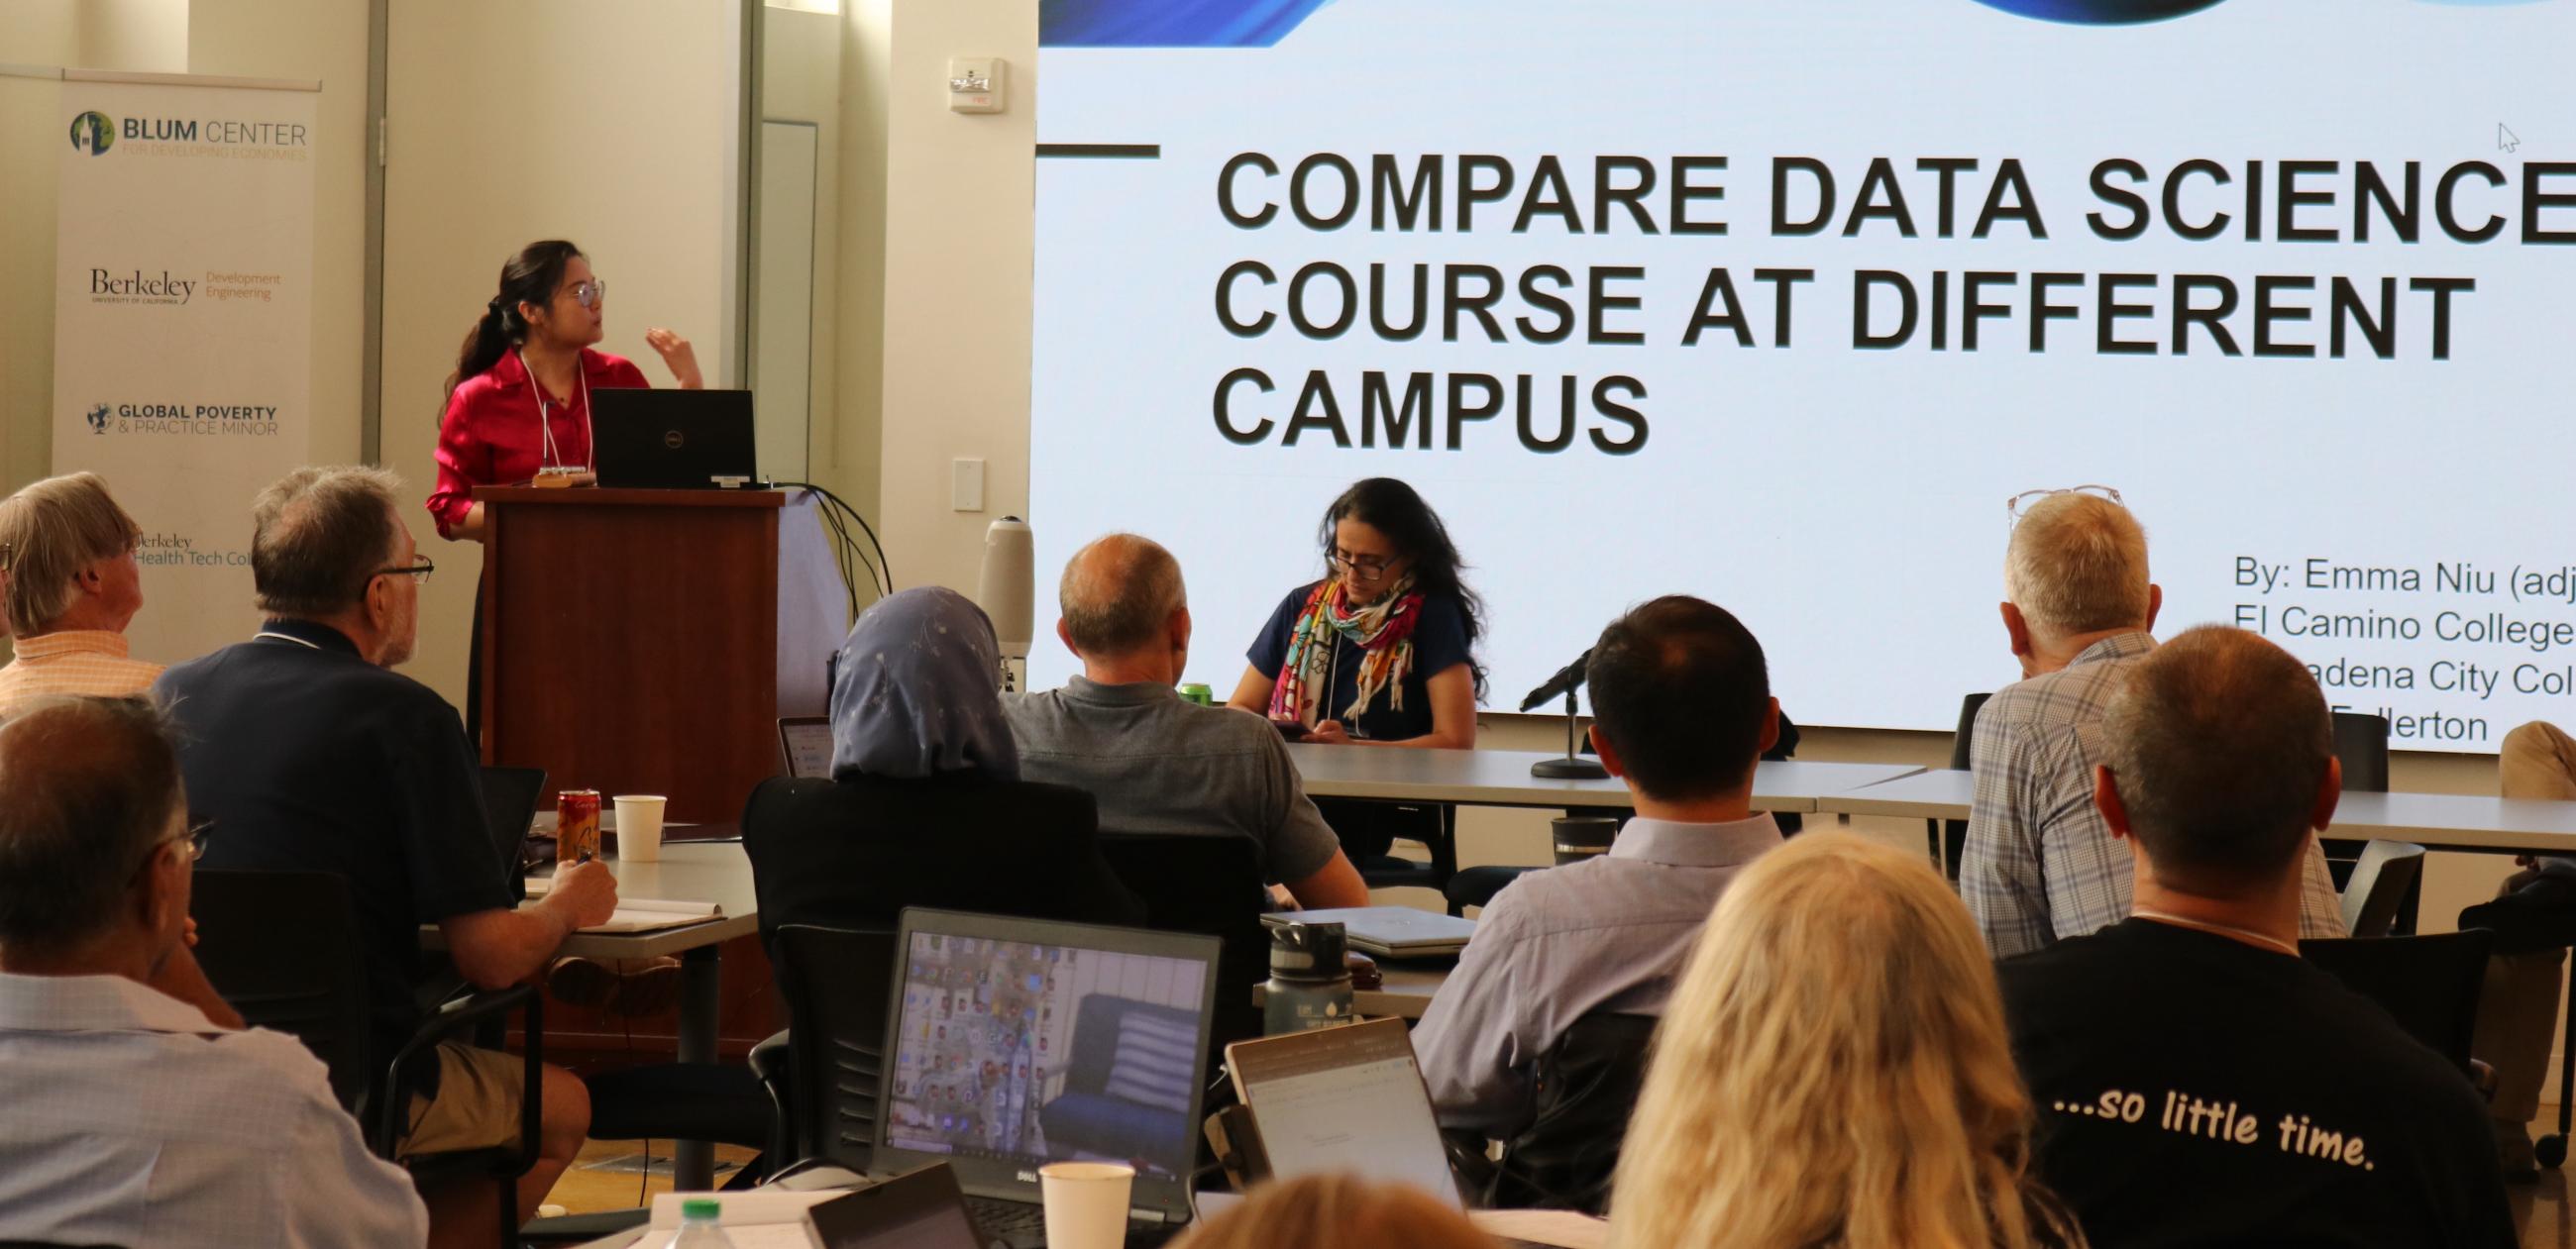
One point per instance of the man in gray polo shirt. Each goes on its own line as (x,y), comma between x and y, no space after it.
(1155,763)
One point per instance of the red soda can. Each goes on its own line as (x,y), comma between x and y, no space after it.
(576,825)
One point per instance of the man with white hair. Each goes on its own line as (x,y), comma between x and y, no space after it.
(69,585)
(2040,865)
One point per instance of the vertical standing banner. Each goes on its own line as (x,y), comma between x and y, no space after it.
(183,313)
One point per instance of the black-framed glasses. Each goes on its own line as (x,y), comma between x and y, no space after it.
(588,293)
(1364,565)
(2014,506)
(420,568)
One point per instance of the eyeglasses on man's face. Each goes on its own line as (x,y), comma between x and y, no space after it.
(420,567)
(192,842)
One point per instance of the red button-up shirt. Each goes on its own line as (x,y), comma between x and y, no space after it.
(490,435)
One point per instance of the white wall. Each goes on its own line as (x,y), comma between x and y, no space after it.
(958,227)
(613,123)
(853,467)
(801,81)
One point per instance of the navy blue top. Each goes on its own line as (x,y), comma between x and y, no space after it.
(1439,644)
(309,758)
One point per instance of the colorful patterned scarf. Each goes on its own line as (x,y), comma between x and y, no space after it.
(1383,631)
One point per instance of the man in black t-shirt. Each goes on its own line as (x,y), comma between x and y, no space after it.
(2199,1084)
(309,753)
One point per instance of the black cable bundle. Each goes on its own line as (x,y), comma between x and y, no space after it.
(839,516)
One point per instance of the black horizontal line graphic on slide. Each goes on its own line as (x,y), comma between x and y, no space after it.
(1107,151)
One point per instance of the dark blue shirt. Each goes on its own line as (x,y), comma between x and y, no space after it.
(309,758)
(1439,644)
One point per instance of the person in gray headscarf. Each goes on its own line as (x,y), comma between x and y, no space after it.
(913,692)
(925,806)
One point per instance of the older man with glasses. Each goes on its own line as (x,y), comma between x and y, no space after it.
(2039,864)
(315,756)
(138,1110)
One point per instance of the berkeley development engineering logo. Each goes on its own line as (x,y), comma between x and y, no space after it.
(93,132)
(192,420)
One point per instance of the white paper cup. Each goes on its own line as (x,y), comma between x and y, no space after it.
(639,828)
(1086,1203)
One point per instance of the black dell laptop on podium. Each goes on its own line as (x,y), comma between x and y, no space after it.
(673,439)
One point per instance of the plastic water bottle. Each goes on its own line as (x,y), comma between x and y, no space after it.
(700,1227)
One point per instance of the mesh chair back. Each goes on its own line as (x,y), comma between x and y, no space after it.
(839,983)
(2429,985)
(1587,1087)
(1212,886)
(510,807)
(282,948)
(2381,877)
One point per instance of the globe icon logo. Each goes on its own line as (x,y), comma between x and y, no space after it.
(93,132)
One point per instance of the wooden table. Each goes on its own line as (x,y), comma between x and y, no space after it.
(1501,778)
(707,871)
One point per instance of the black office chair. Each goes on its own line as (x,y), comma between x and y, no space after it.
(2382,877)
(2361,743)
(510,807)
(1212,886)
(1587,1087)
(282,949)
(1368,830)
(2429,984)
(839,983)
(1949,838)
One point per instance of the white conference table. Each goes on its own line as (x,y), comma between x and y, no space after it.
(1501,778)
(2473,823)
(701,871)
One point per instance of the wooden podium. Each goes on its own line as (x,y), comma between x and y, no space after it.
(648,641)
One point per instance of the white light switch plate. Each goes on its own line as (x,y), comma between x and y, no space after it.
(966,485)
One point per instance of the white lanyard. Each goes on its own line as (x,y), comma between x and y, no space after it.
(284,637)
(581,384)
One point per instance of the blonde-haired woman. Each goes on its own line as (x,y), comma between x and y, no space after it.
(1340,1212)
(1833,1071)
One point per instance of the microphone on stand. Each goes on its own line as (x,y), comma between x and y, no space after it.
(1564,682)
(1005,591)
(1573,766)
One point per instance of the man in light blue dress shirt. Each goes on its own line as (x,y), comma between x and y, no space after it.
(1682,709)
(137,1109)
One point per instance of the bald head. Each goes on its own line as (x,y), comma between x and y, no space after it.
(88,787)
(2220,747)
(1119,597)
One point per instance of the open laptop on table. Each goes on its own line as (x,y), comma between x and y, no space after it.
(1013,1043)
(672,439)
(805,746)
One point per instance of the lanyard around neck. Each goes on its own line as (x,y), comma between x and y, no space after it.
(2223,930)
(285,637)
(581,387)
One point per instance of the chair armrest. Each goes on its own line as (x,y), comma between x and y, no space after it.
(455,1016)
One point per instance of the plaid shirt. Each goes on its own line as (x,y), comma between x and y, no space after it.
(2040,864)
(88,662)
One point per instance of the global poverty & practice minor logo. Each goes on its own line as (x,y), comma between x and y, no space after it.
(182,419)
(93,132)
(98,418)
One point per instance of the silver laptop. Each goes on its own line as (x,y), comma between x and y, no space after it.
(1389,931)
(1013,1043)
(1343,1099)
(805,746)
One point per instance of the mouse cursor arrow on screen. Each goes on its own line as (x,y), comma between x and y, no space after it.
(2506,139)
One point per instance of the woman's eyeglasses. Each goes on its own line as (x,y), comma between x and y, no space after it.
(1364,565)
(2014,506)
(588,294)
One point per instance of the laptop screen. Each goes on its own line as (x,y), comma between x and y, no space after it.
(1344,1099)
(805,742)
(1018,1042)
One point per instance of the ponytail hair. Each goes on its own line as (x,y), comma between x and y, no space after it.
(529,277)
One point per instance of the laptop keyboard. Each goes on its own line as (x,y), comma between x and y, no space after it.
(1017,1222)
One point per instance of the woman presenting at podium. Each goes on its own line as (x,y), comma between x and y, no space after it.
(518,405)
